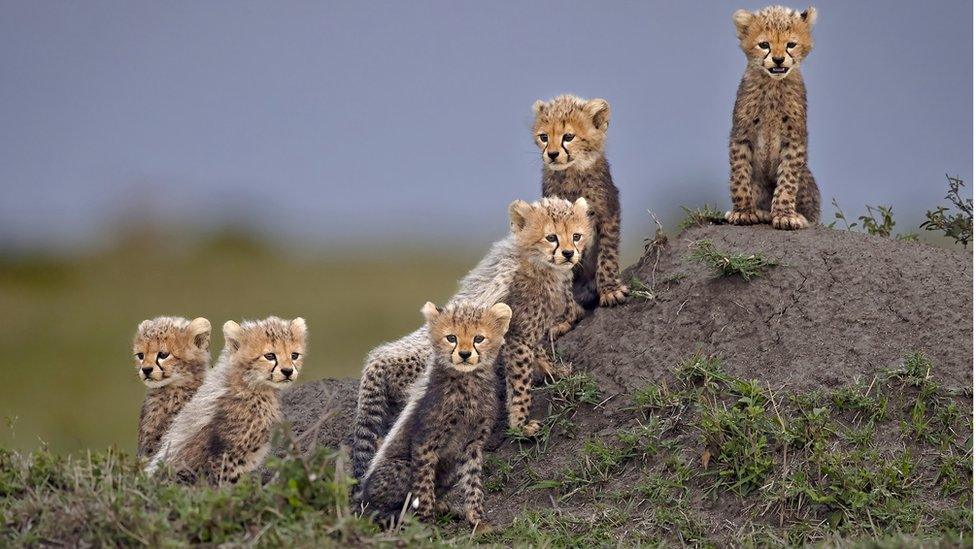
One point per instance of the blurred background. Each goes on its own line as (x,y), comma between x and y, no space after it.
(348,161)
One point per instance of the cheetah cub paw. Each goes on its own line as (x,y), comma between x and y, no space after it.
(790,222)
(560,329)
(481,526)
(614,296)
(531,428)
(748,217)
(557,370)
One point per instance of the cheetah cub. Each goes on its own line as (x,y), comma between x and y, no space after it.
(552,235)
(172,355)
(571,133)
(437,440)
(391,368)
(770,180)
(224,432)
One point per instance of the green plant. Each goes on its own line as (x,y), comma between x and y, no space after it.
(729,264)
(957,226)
(698,217)
(640,290)
(879,221)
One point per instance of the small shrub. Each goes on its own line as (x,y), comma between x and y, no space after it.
(957,226)
(879,221)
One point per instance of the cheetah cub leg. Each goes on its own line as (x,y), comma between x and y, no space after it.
(550,368)
(573,315)
(784,212)
(612,292)
(741,186)
(474,497)
(518,359)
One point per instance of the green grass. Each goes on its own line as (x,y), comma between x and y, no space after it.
(103,499)
(728,264)
(820,469)
(827,468)
(698,217)
(66,331)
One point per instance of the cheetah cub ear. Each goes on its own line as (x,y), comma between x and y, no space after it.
(809,15)
(199,330)
(599,111)
(538,107)
(298,328)
(518,213)
(430,312)
(581,206)
(233,335)
(503,316)
(741,18)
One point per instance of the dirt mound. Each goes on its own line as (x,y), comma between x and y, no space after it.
(649,452)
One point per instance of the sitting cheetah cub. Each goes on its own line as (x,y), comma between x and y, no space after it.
(437,440)
(551,235)
(224,432)
(172,355)
(770,180)
(391,368)
(571,133)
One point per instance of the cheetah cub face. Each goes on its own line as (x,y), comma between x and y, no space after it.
(775,39)
(553,231)
(570,131)
(467,337)
(270,352)
(171,350)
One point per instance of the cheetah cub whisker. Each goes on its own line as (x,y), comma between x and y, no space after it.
(172,355)
(437,441)
(770,179)
(225,430)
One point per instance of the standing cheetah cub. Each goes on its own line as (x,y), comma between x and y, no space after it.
(437,440)
(172,355)
(571,133)
(224,432)
(552,235)
(770,179)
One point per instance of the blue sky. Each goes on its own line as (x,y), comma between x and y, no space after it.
(394,122)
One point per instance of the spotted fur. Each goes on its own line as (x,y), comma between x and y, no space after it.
(172,355)
(770,178)
(571,133)
(225,430)
(552,234)
(437,441)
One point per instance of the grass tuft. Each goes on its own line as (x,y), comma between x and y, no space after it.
(699,217)
(729,264)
